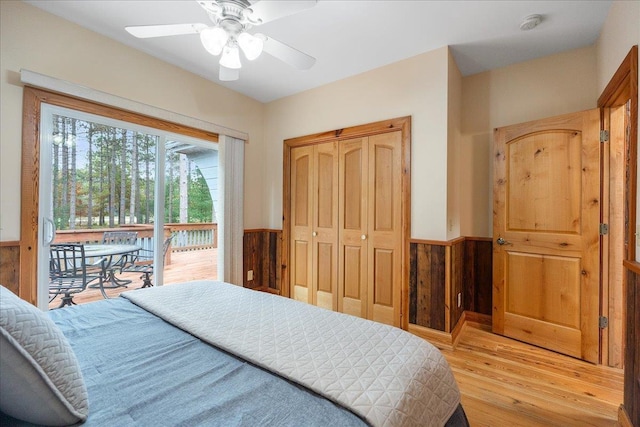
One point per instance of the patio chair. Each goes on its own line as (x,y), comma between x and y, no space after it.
(142,262)
(119,238)
(69,272)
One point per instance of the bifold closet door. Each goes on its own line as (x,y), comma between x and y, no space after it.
(384,235)
(352,249)
(370,236)
(314,224)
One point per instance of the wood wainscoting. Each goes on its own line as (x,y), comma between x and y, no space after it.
(427,280)
(440,274)
(448,278)
(10,266)
(262,250)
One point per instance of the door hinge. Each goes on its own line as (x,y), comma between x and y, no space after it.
(603,322)
(604,229)
(604,135)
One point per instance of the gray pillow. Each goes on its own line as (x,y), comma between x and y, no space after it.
(40,379)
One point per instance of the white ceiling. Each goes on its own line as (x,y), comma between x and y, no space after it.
(351,37)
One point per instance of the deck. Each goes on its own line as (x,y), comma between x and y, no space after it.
(185,266)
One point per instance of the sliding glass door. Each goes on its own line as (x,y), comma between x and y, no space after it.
(99,174)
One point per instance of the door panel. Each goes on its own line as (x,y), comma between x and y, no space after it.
(301,284)
(544,166)
(384,235)
(383,170)
(552,291)
(383,272)
(302,191)
(352,270)
(546,229)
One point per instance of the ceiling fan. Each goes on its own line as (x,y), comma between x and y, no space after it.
(229,33)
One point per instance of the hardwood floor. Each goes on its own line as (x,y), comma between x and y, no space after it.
(504,382)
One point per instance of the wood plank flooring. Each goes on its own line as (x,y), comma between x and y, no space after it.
(504,382)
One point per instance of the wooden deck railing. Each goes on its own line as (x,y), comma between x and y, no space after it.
(186,237)
(189,237)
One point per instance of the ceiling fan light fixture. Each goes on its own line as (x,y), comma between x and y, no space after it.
(250,45)
(214,39)
(228,75)
(231,57)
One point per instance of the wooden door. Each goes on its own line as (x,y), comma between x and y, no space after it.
(325,226)
(301,215)
(370,249)
(314,228)
(384,234)
(546,269)
(353,208)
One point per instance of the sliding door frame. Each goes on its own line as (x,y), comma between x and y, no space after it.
(33,98)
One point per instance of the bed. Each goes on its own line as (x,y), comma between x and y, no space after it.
(211,353)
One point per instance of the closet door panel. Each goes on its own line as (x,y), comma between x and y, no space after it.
(352,268)
(385,227)
(301,223)
(383,298)
(301,271)
(325,276)
(325,225)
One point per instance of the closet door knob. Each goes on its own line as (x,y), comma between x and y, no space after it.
(363,237)
(314,234)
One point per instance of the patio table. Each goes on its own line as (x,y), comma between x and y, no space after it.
(111,253)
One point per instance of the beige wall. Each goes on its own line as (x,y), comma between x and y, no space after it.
(414,87)
(620,32)
(531,90)
(43,43)
(452,128)
(454,123)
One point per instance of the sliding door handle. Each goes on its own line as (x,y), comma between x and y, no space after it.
(48,240)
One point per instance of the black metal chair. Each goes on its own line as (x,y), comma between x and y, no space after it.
(142,262)
(69,272)
(118,238)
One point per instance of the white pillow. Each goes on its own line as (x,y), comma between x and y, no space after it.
(41,382)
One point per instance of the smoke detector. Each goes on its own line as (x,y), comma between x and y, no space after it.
(530,22)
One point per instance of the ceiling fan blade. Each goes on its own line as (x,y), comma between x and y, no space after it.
(147,31)
(287,54)
(267,11)
(228,74)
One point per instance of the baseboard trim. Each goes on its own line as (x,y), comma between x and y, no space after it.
(482,320)
(440,339)
(623,417)
(447,340)
(264,289)
(455,333)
